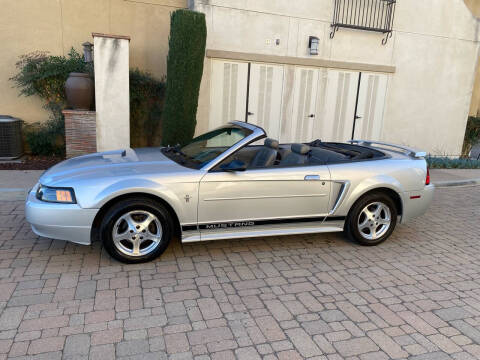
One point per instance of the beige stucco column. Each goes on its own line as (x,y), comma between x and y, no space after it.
(111,59)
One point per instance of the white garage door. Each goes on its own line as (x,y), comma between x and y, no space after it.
(321,103)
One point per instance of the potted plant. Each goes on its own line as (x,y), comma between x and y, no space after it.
(79,87)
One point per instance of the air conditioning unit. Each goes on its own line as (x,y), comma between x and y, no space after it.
(11,145)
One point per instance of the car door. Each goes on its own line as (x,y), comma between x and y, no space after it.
(263,196)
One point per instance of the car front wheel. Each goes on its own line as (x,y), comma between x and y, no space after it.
(136,230)
(372,219)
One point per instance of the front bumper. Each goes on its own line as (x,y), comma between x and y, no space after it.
(416,203)
(67,222)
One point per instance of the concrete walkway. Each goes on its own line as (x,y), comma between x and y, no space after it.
(455,177)
(14,184)
(19,178)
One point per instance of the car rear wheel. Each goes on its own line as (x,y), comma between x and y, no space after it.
(136,230)
(372,219)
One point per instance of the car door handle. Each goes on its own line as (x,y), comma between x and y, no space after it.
(312,178)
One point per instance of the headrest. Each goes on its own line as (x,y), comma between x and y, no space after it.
(301,149)
(271,143)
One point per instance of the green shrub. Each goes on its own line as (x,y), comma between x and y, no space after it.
(188,34)
(44,76)
(46,138)
(147,96)
(449,163)
(472,135)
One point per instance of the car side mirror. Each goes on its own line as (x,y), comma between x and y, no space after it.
(234,165)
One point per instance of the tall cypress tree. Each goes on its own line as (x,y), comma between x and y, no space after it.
(188,35)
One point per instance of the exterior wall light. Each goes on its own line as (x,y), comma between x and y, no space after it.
(313,43)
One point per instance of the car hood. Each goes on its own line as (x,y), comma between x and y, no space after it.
(117,163)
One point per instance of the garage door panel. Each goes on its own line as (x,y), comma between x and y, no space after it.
(371,104)
(228,92)
(341,91)
(265,97)
(300,125)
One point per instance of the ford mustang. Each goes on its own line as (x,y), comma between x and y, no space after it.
(232,182)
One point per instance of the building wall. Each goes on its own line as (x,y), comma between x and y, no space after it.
(57,25)
(433,50)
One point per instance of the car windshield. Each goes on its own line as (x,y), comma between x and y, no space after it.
(204,148)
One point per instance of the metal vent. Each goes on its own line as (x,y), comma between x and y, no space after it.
(370,15)
(10,138)
(230,85)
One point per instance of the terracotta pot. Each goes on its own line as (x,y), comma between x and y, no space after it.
(79,91)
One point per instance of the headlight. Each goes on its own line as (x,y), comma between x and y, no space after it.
(58,195)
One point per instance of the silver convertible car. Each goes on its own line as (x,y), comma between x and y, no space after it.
(228,184)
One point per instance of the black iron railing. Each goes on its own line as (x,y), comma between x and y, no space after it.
(370,15)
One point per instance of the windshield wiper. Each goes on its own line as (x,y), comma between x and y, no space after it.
(179,152)
(180,156)
(176,150)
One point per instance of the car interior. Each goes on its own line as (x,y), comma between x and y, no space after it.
(273,154)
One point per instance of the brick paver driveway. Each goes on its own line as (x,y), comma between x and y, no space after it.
(320,296)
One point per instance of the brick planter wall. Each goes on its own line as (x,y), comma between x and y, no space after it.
(80,132)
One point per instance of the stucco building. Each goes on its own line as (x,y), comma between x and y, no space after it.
(57,25)
(415,89)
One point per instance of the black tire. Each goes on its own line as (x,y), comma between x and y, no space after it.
(139,204)
(355,215)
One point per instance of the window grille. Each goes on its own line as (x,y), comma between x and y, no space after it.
(370,15)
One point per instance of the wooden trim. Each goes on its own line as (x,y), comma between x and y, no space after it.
(288,60)
(78,112)
(177,4)
(123,37)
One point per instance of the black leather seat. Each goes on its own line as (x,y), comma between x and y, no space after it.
(266,155)
(323,156)
(298,156)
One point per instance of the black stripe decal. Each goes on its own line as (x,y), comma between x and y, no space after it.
(189,227)
(336,218)
(250,223)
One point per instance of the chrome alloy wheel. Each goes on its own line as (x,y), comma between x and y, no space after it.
(374,220)
(137,233)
